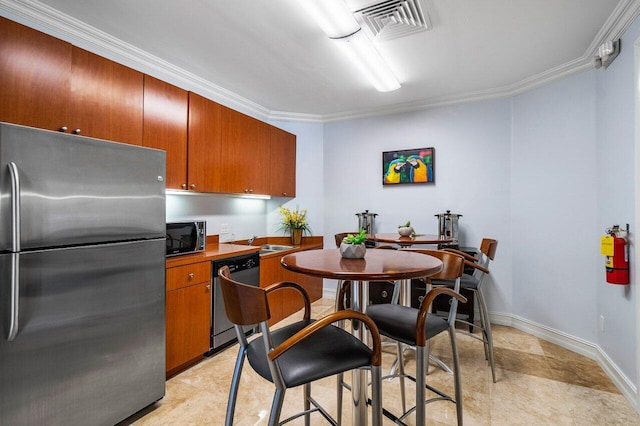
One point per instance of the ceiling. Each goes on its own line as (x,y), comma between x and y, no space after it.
(271,58)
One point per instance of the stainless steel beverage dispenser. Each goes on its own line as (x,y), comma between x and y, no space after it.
(448,227)
(366,221)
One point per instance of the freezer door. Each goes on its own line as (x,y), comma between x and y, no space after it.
(74,190)
(90,342)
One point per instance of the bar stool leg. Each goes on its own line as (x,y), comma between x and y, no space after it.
(276,407)
(400,359)
(235,382)
(306,391)
(456,373)
(487,332)
(339,401)
(421,363)
(376,396)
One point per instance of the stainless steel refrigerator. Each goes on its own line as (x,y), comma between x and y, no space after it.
(82,290)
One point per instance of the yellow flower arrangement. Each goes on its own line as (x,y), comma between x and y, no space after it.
(294,219)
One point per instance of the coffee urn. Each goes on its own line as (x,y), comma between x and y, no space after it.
(448,228)
(366,221)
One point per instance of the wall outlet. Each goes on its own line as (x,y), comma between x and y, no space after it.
(224,228)
(601,323)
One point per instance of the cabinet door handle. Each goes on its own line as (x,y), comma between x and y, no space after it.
(184,186)
(192,186)
(191,275)
(208,287)
(63,129)
(76,132)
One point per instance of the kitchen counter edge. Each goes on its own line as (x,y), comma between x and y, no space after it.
(222,250)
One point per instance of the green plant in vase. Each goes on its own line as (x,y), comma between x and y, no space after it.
(405,230)
(352,246)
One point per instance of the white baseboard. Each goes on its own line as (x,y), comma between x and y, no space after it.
(583,347)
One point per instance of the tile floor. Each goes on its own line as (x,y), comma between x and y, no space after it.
(539,383)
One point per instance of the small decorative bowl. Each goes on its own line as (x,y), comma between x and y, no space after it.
(405,231)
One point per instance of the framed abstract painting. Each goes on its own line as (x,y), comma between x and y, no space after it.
(408,166)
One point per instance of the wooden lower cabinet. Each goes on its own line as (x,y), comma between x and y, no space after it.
(188,315)
(283,303)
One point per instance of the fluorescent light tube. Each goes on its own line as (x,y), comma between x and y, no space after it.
(333,16)
(338,22)
(367,58)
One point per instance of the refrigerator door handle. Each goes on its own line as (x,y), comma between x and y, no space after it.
(15,206)
(15,297)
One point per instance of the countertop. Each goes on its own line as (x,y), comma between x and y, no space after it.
(216,250)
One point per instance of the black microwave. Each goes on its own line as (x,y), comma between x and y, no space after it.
(186,237)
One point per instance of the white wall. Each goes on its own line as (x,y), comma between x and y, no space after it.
(616,187)
(472,175)
(554,179)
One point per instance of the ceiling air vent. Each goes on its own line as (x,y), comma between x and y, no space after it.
(392,19)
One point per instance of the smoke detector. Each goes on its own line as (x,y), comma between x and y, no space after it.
(392,19)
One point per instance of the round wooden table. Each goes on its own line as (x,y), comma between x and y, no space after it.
(377,265)
(409,241)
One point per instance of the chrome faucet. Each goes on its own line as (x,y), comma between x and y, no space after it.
(252,239)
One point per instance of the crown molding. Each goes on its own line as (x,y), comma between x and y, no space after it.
(297,117)
(614,27)
(522,86)
(44,18)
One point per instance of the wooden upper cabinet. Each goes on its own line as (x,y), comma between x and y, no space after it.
(106,99)
(34,77)
(50,84)
(245,157)
(165,127)
(283,159)
(204,144)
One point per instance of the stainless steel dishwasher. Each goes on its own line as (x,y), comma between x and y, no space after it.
(244,269)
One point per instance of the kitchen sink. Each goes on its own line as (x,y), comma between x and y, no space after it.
(270,248)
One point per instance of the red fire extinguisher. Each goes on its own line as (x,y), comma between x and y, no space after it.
(614,246)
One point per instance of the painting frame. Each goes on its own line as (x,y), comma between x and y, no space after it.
(408,166)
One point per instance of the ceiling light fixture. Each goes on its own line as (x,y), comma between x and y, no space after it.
(339,24)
